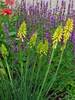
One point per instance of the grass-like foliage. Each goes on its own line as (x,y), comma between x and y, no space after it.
(36,52)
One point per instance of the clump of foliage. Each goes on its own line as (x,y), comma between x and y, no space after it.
(36,52)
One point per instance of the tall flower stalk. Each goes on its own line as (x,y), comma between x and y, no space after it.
(32,74)
(54,77)
(42,49)
(56,38)
(66,35)
(26,72)
(21,35)
(32,44)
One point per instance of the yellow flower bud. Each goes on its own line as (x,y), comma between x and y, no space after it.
(33,40)
(42,48)
(57,36)
(68,28)
(22,31)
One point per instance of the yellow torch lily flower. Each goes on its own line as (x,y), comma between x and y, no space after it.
(22,31)
(33,40)
(42,48)
(57,36)
(68,28)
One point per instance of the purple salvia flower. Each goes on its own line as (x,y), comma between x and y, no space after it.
(31,10)
(52,20)
(47,36)
(73,40)
(49,13)
(45,8)
(36,9)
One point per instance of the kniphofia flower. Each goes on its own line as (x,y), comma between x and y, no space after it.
(42,48)
(22,31)
(68,28)
(33,40)
(57,36)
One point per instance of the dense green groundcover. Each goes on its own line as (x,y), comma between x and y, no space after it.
(37,60)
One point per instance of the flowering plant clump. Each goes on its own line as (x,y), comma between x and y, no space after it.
(37,50)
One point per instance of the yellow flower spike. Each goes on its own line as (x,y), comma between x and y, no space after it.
(57,36)
(68,28)
(22,31)
(45,47)
(33,40)
(42,48)
(69,25)
(3,50)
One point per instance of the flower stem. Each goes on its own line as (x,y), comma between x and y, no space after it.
(26,70)
(39,67)
(21,58)
(7,65)
(21,66)
(10,78)
(54,77)
(38,97)
(32,73)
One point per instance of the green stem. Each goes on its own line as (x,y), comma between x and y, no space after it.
(54,77)
(21,67)
(10,78)
(39,67)
(38,97)
(7,65)
(26,70)
(31,79)
(32,73)
(20,58)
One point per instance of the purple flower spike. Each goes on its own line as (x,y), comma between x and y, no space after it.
(73,37)
(52,21)
(73,40)
(47,36)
